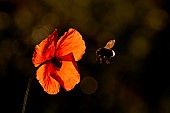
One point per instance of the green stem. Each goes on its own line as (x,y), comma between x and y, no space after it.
(29,84)
(26,93)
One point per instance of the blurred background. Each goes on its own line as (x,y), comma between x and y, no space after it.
(136,81)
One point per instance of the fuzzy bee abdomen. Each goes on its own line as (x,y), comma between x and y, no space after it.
(104,54)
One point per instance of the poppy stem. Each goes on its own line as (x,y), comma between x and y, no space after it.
(28,86)
(26,93)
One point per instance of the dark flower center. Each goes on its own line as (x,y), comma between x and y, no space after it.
(56,62)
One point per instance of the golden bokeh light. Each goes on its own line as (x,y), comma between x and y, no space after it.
(88,85)
(139,47)
(39,33)
(4,20)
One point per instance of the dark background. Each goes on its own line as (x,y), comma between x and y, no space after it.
(136,81)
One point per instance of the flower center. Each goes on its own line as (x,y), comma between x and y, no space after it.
(56,62)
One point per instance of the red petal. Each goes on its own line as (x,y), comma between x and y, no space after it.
(68,75)
(44,75)
(70,57)
(71,41)
(45,50)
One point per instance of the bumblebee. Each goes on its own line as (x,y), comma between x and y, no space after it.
(106,53)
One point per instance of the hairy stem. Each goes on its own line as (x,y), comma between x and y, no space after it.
(26,93)
(29,84)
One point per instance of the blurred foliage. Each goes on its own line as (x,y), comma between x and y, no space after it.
(135,81)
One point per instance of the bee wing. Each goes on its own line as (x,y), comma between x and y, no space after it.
(109,44)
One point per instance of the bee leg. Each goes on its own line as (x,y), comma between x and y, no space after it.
(98,57)
(100,60)
(107,61)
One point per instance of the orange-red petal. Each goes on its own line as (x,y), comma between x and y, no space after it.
(69,57)
(45,50)
(44,76)
(68,74)
(71,41)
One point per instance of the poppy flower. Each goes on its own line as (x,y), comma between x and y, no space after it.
(56,61)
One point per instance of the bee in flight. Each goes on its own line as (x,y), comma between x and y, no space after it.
(106,53)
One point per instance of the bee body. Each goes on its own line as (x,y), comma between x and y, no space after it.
(105,53)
